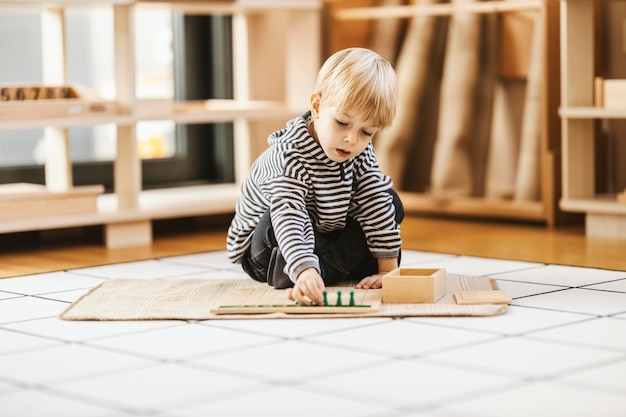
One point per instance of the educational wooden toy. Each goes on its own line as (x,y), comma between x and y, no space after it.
(269,300)
(18,102)
(413,285)
(482,297)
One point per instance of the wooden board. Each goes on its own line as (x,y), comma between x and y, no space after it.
(482,297)
(452,172)
(528,177)
(29,201)
(414,73)
(506,126)
(270,300)
(516,35)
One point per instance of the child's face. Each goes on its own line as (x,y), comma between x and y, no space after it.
(341,135)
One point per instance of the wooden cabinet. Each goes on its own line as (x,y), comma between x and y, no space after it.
(276,55)
(605,216)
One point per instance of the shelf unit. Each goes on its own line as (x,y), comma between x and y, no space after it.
(276,54)
(546,209)
(604,215)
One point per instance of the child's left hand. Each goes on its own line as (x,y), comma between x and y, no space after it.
(372,282)
(385,265)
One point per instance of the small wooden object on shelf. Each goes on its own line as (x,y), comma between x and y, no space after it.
(414,285)
(610,94)
(22,102)
(27,201)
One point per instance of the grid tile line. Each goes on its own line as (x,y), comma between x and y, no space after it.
(564,337)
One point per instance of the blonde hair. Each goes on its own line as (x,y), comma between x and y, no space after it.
(358,78)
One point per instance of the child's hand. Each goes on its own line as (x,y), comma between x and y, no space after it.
(309,288)
(371,282)
(385,265)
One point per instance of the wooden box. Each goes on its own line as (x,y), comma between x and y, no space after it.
(412,286)
(27,201)
(610,94)
(22,102)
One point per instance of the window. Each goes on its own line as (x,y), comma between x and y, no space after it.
(179,57)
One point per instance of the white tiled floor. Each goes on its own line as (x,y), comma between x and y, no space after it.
(559,351)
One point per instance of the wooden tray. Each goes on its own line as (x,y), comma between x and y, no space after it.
(23,102)
(26,201)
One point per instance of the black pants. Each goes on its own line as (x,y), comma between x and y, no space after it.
(344,254)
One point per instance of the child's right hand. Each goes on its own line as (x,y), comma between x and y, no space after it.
(309,288)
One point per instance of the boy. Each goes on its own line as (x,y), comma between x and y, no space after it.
(315,208)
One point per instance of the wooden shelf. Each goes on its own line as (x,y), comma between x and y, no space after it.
(591,113)
(605,217)
(189,6)
(604,204)
(232,6)
(209,111)
(276,54)
(473,207)
(163,203)
(25,201)
(444,9)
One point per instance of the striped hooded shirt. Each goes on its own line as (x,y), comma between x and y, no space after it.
(305,190)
